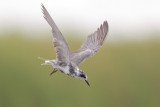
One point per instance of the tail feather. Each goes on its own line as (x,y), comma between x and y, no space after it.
(47,62)
(42,58)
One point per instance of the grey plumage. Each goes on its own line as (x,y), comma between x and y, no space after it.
(91,46)
(60,44)
(69,63)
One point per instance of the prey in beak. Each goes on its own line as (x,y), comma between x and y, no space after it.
(87,82)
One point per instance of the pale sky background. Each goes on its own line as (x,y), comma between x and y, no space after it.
(124,16)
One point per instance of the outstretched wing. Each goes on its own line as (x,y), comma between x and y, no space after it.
(91,46)
(60,44)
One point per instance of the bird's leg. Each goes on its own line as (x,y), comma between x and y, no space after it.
(55,70)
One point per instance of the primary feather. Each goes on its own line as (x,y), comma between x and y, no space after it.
(91,46)
(60,44)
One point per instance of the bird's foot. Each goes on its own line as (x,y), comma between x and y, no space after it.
(55,70)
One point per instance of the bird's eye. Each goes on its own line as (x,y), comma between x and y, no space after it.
(82,75)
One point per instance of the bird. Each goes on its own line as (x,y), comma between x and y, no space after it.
(66,62)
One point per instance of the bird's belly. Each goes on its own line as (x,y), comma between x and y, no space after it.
(64,69)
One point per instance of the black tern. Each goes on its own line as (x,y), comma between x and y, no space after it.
(66,62)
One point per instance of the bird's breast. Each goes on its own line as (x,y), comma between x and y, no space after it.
(69,70)
(64,69)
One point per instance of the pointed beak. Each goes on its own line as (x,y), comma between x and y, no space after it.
(87,82)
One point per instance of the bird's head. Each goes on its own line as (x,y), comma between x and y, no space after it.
(83,76)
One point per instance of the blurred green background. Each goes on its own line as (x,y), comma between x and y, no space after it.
(125,74)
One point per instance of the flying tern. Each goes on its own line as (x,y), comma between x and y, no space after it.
(66,62)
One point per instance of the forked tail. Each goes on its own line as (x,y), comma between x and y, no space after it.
(42,58)
(46,60)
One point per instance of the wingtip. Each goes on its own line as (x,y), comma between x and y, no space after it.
(105,23)
(43,10)
(42,5)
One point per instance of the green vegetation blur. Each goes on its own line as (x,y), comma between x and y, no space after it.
(120,75)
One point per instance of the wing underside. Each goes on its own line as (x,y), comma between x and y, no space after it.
(91,46)
(61,47)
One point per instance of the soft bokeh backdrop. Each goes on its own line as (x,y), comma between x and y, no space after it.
(125,73)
